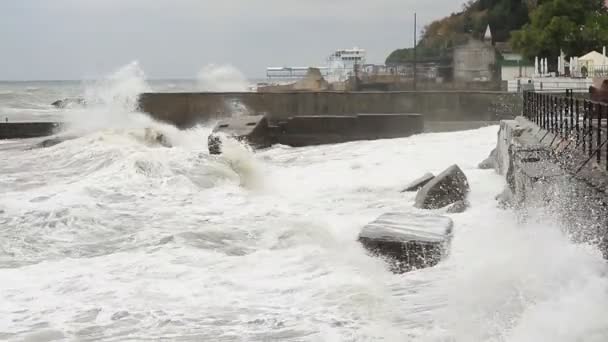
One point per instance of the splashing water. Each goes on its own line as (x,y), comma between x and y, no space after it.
(111,237)
(222,78)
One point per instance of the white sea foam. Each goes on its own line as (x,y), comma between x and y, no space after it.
(110,236)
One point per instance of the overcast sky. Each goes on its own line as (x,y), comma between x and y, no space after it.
(75,39)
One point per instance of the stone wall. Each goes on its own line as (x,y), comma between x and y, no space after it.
(188,109)
(542,177)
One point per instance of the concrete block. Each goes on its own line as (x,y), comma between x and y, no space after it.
(448,187)
(408,240)
(419,183)
(250,129)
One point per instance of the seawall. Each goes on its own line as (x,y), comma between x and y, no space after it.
(187,109)
(544,175)
(23,130)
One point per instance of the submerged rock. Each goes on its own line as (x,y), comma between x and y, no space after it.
(459,207)
(54,141)
(156,137)
(419,183)
(490,162)
(449,187)
(408,240)
(64,103)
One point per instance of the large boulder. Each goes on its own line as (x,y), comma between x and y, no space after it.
(408,240)
(419,183)
(449,187)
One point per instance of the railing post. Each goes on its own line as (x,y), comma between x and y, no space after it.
(590,127)
(571,104)
(547,111)
(566,108)
(542,110)
(554,115)
(541,115)
(560,107)
(585,114)
(578,128)
(598,109)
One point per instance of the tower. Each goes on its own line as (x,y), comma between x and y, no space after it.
(487,37)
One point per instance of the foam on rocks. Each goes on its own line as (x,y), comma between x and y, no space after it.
(408,240)
(419,183)
(447,188)
(490,162)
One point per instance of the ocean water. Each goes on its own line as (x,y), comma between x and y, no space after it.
(110,237)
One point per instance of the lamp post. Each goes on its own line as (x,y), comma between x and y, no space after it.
(415,52)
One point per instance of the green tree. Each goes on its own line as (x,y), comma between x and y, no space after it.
(503,16)
(575,27)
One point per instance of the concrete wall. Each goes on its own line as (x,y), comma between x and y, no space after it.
(508,73)
(474,61)
(22,130)
(188,109)
(542,177)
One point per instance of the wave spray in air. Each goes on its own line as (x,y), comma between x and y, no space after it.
(222,78)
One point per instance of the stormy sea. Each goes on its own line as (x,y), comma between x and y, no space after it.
(109,236)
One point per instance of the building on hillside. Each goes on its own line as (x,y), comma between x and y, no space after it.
(512,64)
(476,60)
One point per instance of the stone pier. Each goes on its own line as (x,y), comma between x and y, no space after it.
(544,174)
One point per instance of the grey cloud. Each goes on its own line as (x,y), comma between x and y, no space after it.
(70,39)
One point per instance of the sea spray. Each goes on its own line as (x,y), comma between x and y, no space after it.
(221,78)
(239,156)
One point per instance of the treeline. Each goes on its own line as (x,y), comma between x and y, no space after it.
(534,28)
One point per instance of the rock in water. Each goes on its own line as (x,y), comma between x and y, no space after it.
(67,102)
(419,183)
(490,162)
(408,240)
(449,187)
(252,129)
(54,141)
(156,137)
(458,207)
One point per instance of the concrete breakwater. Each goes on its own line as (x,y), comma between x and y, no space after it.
(187,109)
(259,132)
(544,176)
(23,130)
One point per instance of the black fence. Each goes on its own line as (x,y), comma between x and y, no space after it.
(575,122)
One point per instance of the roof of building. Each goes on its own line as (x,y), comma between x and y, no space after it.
(594,57)
(488,34)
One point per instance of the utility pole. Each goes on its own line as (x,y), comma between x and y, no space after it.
(415,52)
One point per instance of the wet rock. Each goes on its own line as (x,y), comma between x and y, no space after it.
(214,143)
(505,199)
(156,137)
(251,129)
(419,183)
(459,207)
(166,240)
(67,102)
(119,315)
(490,162)
(408,240)
(449,187)
(54,141)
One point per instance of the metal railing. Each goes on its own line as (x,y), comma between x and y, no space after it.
(574,122)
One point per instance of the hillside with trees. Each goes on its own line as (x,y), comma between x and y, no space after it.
(534,28)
